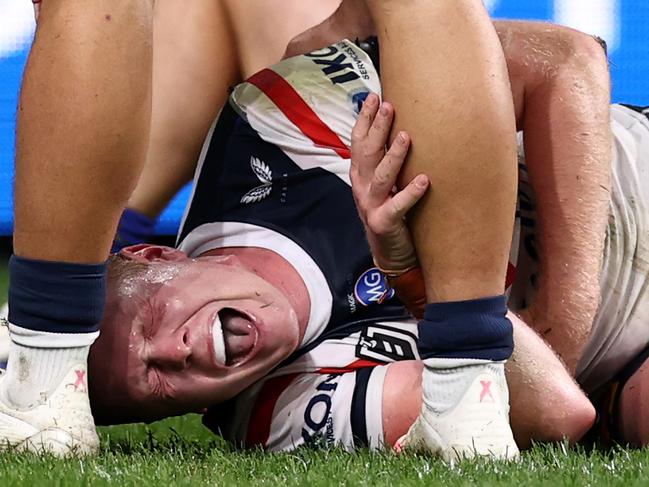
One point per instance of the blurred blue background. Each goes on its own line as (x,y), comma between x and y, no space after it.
(623,23)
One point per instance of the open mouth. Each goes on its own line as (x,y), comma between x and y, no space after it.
(234,337)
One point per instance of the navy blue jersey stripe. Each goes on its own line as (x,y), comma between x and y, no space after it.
(358,417)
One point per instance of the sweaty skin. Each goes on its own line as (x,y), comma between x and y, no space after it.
(166,355)
(571,414)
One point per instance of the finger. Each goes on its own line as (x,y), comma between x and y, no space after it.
(386,173)
(377,137)
(371,150)
(402,202)
(365,118)
(363,159)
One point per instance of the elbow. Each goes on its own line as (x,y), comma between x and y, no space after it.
(566,55)
(581,53)
(588,50)
(571,418)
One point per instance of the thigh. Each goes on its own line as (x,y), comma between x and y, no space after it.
(263,29)
(194,64)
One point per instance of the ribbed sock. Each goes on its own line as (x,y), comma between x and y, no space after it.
(445,381)
(34,373)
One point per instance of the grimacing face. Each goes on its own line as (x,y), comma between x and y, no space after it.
(180,335)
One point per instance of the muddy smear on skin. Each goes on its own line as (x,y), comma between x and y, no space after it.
(23,368)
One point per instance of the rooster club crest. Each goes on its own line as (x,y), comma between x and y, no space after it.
(372,288)
(265,176)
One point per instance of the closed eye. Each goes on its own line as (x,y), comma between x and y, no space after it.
(149,316)
(158,385)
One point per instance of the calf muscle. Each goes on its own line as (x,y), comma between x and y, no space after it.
(82,126)
(467,146)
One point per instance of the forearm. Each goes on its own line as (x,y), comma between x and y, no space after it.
(568,153)
(561,92)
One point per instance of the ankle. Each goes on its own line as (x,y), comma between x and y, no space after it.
(34,373)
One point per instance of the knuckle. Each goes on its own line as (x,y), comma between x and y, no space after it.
(369,153)
(380,179)
(397,207)
(357,136)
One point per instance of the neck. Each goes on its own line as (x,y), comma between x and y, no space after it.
(275,269)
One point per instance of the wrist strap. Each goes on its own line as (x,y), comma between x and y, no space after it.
(410,289)
(395,273)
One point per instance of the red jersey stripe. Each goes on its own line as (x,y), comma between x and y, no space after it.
(261,417)
(358,364)
(297,111)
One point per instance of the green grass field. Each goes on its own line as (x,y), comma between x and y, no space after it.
(181,452)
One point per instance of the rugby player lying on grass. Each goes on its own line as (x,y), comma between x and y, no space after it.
(281,287)
(50,342)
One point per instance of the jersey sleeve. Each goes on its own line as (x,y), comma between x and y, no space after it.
(308,105)
(330,394)
(312,409)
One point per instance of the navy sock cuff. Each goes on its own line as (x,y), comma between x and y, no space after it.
(476,329)
(134,228)
(56,297)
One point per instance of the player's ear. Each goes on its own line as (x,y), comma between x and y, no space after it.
(151,253)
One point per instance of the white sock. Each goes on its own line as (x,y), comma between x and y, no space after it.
(5,341)
(445,380)
(34,373)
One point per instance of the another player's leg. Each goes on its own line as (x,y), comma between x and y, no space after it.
(447,78)
(194,64)
(200,50)
(82,131)
(263,29)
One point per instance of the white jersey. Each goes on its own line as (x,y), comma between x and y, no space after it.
(621,327)
(275,174)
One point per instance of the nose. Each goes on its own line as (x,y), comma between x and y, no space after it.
(170,351)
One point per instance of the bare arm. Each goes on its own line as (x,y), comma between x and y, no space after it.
(561,90)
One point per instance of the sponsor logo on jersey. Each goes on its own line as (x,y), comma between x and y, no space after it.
(318,422)
(340,63)
(265,176)
(385,343)
(372,288)
(358,97)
